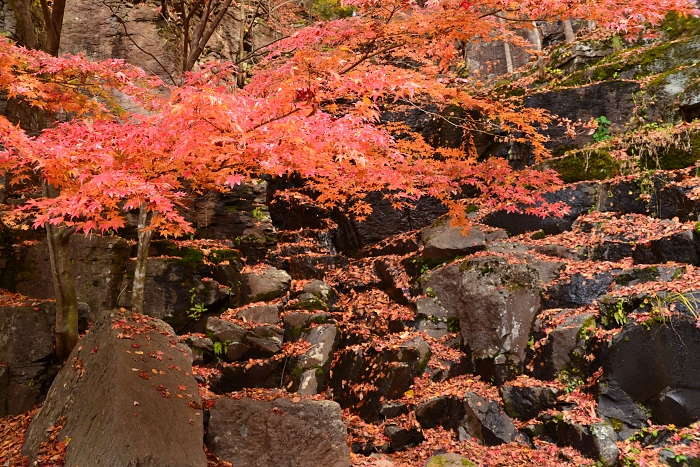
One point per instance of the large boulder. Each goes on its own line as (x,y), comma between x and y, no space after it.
(442,241)
(657,366)
(128,398)
(496,303)
(265,285)
(486,421)
(26,356)
(278,433)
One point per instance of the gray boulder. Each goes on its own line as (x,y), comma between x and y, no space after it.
(123,403)
(278,433)
(486,421)
(441,241)
(267,285)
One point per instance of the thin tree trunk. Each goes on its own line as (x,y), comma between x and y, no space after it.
(66,328)
(569,32)
(53,19)
(538,43)
(240,79)
(139,285)
(26,25)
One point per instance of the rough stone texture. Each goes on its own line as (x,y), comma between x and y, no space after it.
(401,438)
(265,341)
(118,416)
(278,433)
(485,421)
(614,99)
(678,247)
(447,411)
(429,306)
(659,368)
(525,403)
(577,290)
(580,198)
(98,264)
(224,330)
(264,314)
(239,215)
(441,241)
(501,303)
(596,441)
(238,376)
(317,360)
(621,412)
(169,295)
(266,285)
(565,347)
(27,365)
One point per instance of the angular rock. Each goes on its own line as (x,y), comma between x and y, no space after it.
(265,341)
(501,301)
(240,375)
(577,290)
(566,347)
(622,413)
(27,355)
(652,365)
(267,285)
(225,331)
(401,438)
(278,433)
(446,411)
(116,415)
(264,314)
(317,360)
(295,324)
(321,291)
(430,307)
(485,421)
(393,409)
(679,247)
(525,403)
(441,241)
(580,198)
(596,441)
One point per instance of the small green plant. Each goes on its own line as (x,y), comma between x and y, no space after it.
(602,133)
(196,309)
(619,315)
(429,292)
(258,213)
(697,227)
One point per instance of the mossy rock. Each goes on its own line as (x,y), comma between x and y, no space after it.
(585,165)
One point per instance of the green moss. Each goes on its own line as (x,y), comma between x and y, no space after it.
(297,372)
(675,26)
(539,235)
(585,165)
(675,158)
(219,256)
(615,423)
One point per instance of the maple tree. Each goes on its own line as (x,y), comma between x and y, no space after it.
(311,110)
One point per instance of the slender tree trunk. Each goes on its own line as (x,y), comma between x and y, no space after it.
(26,25)
(145,235)
(53,21)
(538,43)
(240,79)
(569,32)
(66,328)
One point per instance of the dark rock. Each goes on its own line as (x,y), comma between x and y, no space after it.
(566,347)
(26,355)
(312,266)
(558,251)
(577,290)
(173,287)
(99,264)
(267,285)
(239,214)
(525,403)
(441,241)
(295,324)
(278,433)
(241,375)
(388,373)
(446,411)
(629,196)
(657,367)
(547,270)
(596,441)
(679,247)
(501,301)
(437,330)
(118,416)
(393,274)
(263,314)
(265,341)
(320,290)
(442,285)
(580,198)
(401,438)
(393,409)
(225,331)
(429,306)
(622,413)
(614,99)
(392,246)
(485,421)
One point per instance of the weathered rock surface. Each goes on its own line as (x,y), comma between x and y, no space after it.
(27,365)
(279,433)
(668,352)
(121,406)
(525,403)
(441,241)
(566,347)
(316,361)
(266,285)
(486,421)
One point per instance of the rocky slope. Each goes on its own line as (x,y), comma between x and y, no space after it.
(319,340)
